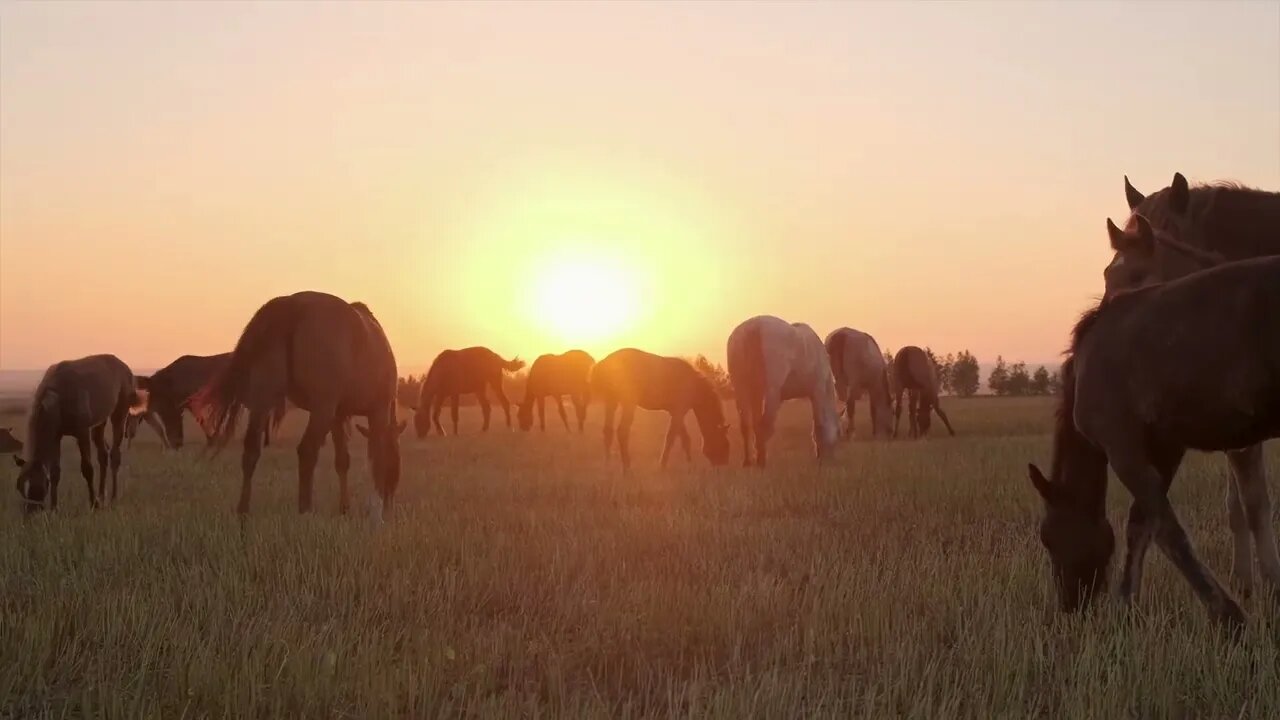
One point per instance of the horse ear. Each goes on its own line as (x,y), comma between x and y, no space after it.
(1179,194)
(1131,194)
(363,430)
(1119,242)
(1042,484)
(1146,237)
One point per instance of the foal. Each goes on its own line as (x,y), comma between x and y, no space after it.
(1152,373)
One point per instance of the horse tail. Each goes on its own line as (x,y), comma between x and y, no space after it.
(836,351)
(217,405)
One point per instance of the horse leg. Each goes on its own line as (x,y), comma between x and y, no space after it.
(99,435)
(564,417)
(675,429)
(319,425)
(850,406)
(913,410)
(117,440)
(86,465)
(1139,531)
(542,414)
(1144,481)
(249,458)
(453,413)
(746,412)
(503,401)
(897,413)
(55,475)
(485,408)
(610,409)
(937,407)
(1250,473)
(1238,521)
(624,435)
(765,424)
(342,463)
(580,409)
(436,407)
(684,441)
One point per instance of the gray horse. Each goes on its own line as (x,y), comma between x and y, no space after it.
(859,369)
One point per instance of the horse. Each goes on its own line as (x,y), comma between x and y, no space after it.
(556,376)
(472,370)
(77,398)
(172,386)
(914,372)
(326,356)
(631,378)
(9,443)
(770,361)
(1190,228)
(1192,364)
(859,367)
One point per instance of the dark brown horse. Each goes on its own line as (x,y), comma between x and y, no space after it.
(77,398)
(1182,229)
(328,357)
(631,378)
(470,371)
(915,373)
(1152,373)
(172,386)
(9,443)
(556,376)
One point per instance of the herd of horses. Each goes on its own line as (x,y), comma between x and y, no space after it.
(1181,353)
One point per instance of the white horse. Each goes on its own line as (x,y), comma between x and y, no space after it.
(771,360)
(859,367)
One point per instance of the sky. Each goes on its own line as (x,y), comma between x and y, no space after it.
(535,177)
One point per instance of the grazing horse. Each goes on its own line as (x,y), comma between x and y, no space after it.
(859,367)
(915,373)
(633,378)
(9,443)
(1186,229)
(556,376)
(326,356)
(1190,364)
(473,370)
(169,390)
(770,361)
(77,398)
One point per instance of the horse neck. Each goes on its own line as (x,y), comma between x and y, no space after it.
(43,434)
(706,408)
(1077,463)
(1242,223)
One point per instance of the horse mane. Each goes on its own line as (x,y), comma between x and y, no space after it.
(37,420)
(1087,320)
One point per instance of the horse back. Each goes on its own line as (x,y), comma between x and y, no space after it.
(1195,361)
(87,392)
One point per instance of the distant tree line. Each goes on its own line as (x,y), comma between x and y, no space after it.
(1014,380)
(958,374)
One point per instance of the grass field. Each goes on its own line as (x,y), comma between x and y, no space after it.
(522,577)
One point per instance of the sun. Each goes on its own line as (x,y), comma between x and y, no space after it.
(584,300)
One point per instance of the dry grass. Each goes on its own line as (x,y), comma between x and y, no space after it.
(522,577)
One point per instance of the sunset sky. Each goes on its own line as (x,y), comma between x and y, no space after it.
(535,177)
